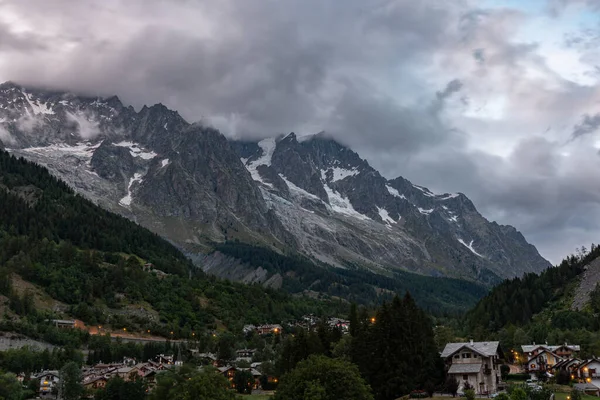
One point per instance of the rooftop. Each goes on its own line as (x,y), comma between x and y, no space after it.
(487,349)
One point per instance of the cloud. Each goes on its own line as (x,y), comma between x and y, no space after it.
(28,122)
(6,137)
(456,95)
(588,125)
(88,128)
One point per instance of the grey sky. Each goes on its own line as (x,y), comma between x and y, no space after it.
(477,96)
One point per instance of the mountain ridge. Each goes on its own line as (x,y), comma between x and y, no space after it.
(313,195)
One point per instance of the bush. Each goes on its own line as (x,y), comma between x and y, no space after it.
(517,377)
(470,394)
(319,377)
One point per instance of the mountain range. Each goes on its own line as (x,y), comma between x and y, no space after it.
(308,195)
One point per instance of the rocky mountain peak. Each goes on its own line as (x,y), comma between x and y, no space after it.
(311,195)
(334,188)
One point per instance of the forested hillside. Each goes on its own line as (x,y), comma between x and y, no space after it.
(91,262)
(539,308)
(439,296)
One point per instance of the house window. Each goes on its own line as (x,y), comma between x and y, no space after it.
(474,355)
(457,356)
(533,366)
(466,355)
(465,377)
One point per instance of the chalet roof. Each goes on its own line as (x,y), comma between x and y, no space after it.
(528,348)
(584,363)
(542,352)
(471,368)
(225,368)
(246,351)
(44,373)
(565,363)
(96,379)
(487,349)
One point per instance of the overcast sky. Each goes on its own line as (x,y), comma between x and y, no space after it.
(498,99)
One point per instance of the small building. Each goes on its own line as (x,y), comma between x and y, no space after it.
(95,382)
(269,329)
(588,370)
(562,351)
(475,363)
(48,383)
(64,323)
(245,355)
(542,361)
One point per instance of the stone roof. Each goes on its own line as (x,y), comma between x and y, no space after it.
(487,349)
(464,368)
(528,348)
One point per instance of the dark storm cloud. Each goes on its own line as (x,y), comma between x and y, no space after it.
(391,78)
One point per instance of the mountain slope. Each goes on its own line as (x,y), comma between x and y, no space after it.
(342,210)
(551,298)
(191,185)
(181,180)
(90,263)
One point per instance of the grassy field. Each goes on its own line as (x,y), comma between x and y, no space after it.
(563,396)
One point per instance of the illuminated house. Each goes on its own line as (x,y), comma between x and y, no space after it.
(475,363)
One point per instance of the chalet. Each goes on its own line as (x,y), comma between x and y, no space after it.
(268,329)
(230,371)
(95,383)
(475,363)
(568,364)
(227,371)
(562,351)
(589,370)
(245,355)
(150,378)
(48,383)
(542,361)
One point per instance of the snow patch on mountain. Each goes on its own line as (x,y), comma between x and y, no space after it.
(298,190)
(449,196)
(470,247)
(342,173)
(36,106)
(164,163)
(424,211)
(425,191)
(385,216)
(83,150)
(394,192)
(267,147)
(126,201)
(342,205)
(136,151)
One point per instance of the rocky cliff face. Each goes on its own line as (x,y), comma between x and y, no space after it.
(343,211)
(183,181)
(193,186)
